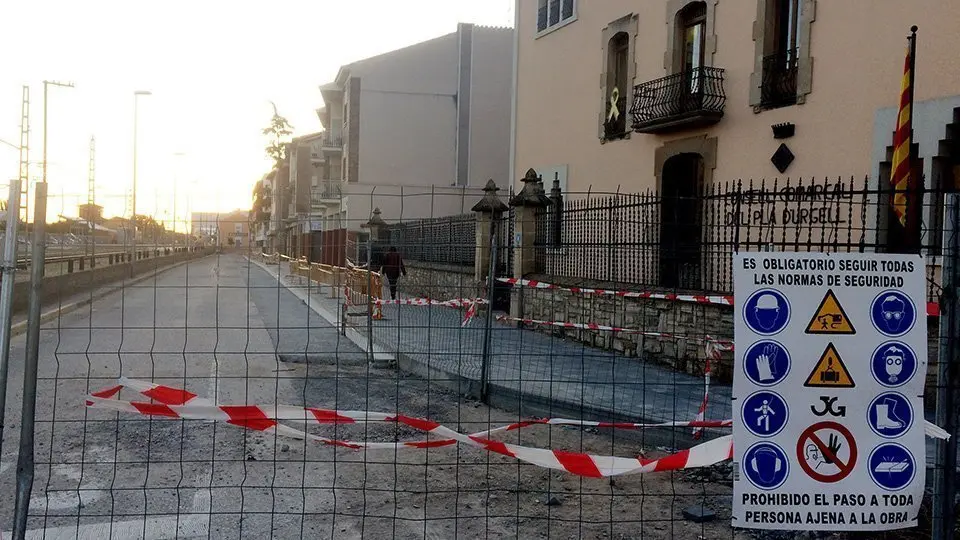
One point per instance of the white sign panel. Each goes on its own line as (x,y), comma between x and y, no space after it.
(831,358)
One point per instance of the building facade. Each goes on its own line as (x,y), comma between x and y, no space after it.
(430,118)
(671,94)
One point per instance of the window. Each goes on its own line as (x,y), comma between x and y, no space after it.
(617,78)
(779,84)
(551,13)
(618,51)
(783,71)
(692,22)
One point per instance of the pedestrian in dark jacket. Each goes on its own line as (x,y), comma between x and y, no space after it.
(393,267)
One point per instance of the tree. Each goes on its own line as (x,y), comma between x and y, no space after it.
(277,131)
(150,228)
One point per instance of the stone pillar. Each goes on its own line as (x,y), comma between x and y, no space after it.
(488,210)
(526,204)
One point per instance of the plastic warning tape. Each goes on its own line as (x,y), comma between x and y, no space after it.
(713,351)
(455,303)
(933,308)
(172,402)
(617,329)
(700,299)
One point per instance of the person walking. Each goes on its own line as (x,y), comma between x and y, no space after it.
(393,267)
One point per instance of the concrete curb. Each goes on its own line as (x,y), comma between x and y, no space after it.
(21,327)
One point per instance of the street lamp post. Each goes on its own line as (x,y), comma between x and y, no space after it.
(175,174)
(133,211)
(45,85)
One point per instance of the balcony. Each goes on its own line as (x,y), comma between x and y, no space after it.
(331,142)
(328,193)
(778,87)
(693,98)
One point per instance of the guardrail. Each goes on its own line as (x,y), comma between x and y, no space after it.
(68,264)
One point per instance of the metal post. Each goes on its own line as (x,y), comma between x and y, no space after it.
(133,202)
(488,320)
(370,298)
(6,293)
(945,483)
(28,412)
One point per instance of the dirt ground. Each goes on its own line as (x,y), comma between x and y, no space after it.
(462,492)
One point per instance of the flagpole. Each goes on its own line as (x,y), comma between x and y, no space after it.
(915,187)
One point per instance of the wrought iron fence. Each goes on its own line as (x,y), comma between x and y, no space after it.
(645,240)
(447,240)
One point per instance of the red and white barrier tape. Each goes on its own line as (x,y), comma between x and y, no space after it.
(455,303)
(173,402)
(713,350)
(176,403)
(933,308)
(602,328)
(700,299)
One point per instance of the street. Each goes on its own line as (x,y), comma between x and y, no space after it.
(216,327)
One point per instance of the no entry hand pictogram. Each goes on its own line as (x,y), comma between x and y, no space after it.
(827,452)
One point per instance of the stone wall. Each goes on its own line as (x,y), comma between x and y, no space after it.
(438,281)
(680,319)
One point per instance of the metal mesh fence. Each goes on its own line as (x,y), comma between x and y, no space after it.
(272,386)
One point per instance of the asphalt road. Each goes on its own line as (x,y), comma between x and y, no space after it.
(190,327)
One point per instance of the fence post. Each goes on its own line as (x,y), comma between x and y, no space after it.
(374,225)
(28,410)
(489,212)
(6,293)
(945,483)
(527,202)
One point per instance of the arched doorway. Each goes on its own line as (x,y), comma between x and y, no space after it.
(681,230)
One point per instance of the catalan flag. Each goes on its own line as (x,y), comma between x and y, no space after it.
(902,140)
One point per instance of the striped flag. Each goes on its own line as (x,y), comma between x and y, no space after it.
(900,176)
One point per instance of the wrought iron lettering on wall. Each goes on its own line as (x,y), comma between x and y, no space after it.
(793,206)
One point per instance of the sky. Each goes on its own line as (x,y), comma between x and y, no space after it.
(212,67)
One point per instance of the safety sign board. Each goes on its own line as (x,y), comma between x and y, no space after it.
(830,318)
(830,371)
(828,391)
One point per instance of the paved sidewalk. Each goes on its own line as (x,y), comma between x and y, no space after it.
(529,371)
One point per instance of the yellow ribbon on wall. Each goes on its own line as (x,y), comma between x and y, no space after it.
(614,113)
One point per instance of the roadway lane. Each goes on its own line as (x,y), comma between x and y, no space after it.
(192,327)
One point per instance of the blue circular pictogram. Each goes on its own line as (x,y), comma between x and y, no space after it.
(890,415)
(764,413)
(765,465)
(893,364)
(892,466)
(766,363)
(893,313)
(767,312)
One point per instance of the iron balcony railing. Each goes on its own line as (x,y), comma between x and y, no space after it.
(331,141)
(778,86)
(328,191)
(693,97)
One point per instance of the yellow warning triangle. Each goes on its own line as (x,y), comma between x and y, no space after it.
(830,318)
(830,372)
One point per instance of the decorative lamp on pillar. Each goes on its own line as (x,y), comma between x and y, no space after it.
(528,203)
(375,224)
(489,210)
